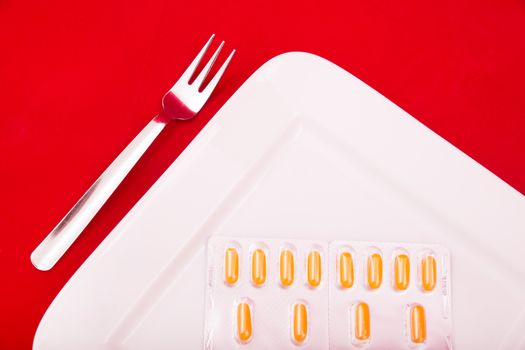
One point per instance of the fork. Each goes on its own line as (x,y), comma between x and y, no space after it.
(182,102)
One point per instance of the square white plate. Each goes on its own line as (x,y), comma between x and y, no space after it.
(302,150)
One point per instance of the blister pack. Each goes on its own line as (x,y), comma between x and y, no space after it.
(285,294)
(389,296)
(266,294)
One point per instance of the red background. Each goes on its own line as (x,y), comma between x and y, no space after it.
(79,79)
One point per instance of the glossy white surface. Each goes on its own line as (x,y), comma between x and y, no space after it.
(303,149)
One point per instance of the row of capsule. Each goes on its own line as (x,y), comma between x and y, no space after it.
(360,332)
(345,269)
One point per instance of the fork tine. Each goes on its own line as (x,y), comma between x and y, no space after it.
(186,76)
(202,75)
(213,83)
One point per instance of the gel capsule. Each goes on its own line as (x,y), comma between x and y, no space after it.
(314,268)
(428,273)
(287,267)
(375,271)
(418,331)
(244,322)
(300,323)
(361,322)
(258,267)
(346,270)
(401,272)
(231,266)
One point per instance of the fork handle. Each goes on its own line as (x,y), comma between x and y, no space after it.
(51,249)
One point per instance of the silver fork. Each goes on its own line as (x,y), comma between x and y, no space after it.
(183,101)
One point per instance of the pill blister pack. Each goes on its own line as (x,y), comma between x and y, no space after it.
(389,296)
(266,294)
(285,294)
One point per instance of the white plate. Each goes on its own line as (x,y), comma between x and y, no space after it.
(303,149)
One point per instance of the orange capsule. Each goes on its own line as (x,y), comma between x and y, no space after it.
(375,271)
(244,322)
(346,270)
(361,322)
(314,268)
(231,266)
(401,272)
(258,267)
(300,323)
(286,265)
(418,331)
(428,273)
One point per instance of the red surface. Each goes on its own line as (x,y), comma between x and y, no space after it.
(79,79)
